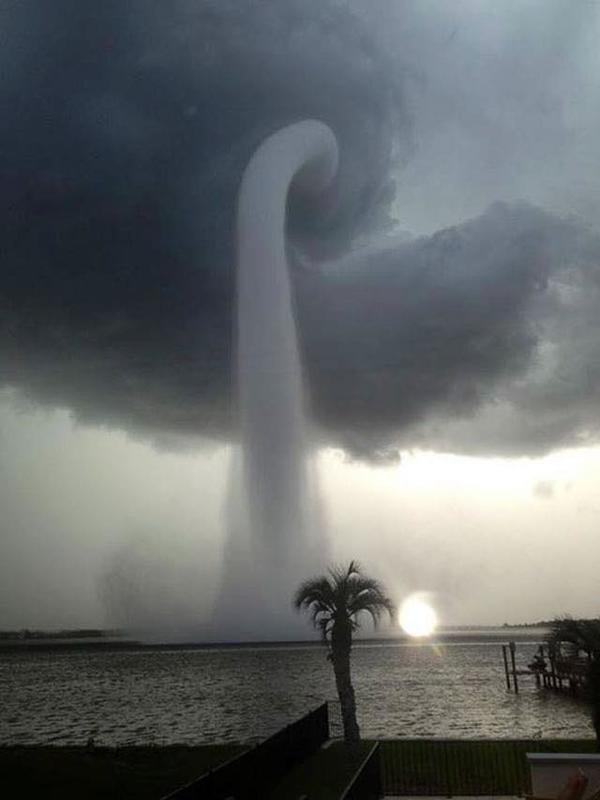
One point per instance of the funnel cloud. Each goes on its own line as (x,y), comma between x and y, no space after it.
(276,527)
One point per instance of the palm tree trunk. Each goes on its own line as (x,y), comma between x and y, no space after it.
(345,690)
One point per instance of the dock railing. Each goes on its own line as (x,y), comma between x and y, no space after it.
(252,774)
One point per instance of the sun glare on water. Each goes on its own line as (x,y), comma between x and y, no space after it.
(417,617)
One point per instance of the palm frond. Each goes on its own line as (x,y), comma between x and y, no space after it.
(324,626)
(369,596)
(314,590)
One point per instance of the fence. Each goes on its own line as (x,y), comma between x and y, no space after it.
(252,774)
(366,784)
(463,767)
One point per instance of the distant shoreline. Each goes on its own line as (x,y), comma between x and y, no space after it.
(448,636)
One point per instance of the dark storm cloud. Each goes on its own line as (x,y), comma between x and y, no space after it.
(130,125)
(498,310)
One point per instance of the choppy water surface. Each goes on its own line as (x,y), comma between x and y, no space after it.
(199,696)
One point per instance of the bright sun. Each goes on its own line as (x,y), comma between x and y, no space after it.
(416,617)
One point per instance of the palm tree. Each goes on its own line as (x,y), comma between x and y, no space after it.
(334,602)
(576,636)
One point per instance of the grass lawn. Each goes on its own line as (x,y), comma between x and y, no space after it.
(104,772)
(323,776)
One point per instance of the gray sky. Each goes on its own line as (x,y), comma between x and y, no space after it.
(505,107)
(493,540)
(472,351)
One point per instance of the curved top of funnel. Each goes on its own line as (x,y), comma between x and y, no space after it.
(321,165)
(305,152)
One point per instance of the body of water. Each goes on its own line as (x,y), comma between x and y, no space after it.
(198,696)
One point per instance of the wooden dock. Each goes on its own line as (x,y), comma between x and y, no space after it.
(550,670)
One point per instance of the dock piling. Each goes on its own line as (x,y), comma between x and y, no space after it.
(506,672)
(512,647)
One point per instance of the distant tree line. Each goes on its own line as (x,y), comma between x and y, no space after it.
(80,633)
(543,623)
